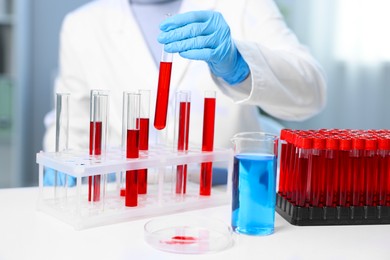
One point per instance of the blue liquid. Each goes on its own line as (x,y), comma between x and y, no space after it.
(254,194)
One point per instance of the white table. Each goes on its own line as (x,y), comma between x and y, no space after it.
(26,233)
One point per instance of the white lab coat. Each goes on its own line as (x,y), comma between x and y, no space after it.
(103,48)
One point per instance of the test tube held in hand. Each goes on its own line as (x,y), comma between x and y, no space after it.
(207,141)
(143,137)
(164,81)
(97,137)
(132,148)
(182,124)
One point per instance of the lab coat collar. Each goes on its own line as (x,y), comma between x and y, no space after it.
(191,5)
(124,24)
(118,22)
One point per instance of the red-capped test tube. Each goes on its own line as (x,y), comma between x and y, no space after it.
(164,81)
(98,132)
(384,170)
(371,171)
(182,127)
(317,166)
(357,170)
(332,171)
(207,141)
(284,147)
(305,144)
(345,170)
(295,174)
(291,161)
(143,137)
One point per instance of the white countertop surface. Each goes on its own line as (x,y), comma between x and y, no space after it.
(26,233)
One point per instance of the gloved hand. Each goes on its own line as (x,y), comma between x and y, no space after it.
(49,178)
(204,35)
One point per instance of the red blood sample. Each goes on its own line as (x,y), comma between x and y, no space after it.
(371,172)
(132,151)
(290,176)
(383,170)
(95,148)
(143,145)
(164,81)
(332,173)
(207,145)
(357,171)
(318,172)
(182,145)
(345,174)
(283,162)
(305,145)
(181,240)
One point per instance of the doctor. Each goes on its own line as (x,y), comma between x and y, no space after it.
(242,49)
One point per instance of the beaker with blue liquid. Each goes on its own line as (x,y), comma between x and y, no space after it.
(254,183)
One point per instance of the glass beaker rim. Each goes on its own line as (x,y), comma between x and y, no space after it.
(254,136)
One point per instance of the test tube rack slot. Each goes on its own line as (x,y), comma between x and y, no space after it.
(70,204)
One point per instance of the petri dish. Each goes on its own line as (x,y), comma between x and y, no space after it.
(188,235)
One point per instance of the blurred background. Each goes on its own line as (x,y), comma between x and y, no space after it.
(349,38)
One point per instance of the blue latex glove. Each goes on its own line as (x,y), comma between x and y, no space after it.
(204,35)
(49,178)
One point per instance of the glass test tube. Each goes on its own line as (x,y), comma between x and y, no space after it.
(290,167)
(283,160)
(164,81)
(357,171)
(182,124)
(294,170)
(122,177)
(332,171)
(132,147)
(97,137)
(305,144)
(318,175)
(62,132)
(62,122)
(345,167)
(207,141)
(384,171)
(371,172)
(143,137)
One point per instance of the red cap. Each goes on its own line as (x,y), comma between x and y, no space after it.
(357,143)
(332,143)
(370,144)
(305,142)
(384,144)
(345,143)
(283,134)
(319,143)
(291,137)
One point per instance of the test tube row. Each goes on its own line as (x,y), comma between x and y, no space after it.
(335,167)
(135,136)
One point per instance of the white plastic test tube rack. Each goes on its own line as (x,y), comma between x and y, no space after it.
(70,204)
